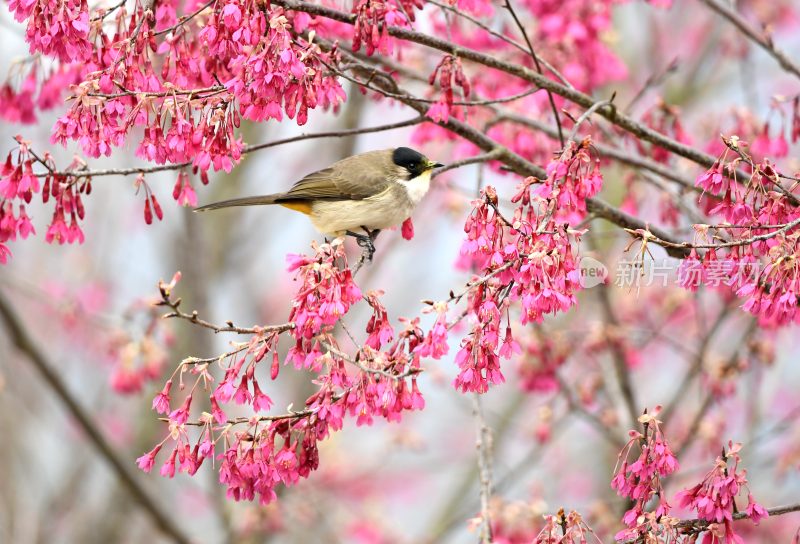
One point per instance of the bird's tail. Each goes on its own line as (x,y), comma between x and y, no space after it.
(246,201)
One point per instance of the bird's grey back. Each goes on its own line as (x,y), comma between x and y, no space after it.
(352,178)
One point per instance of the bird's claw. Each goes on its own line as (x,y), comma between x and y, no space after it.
(366,242)
(368,245)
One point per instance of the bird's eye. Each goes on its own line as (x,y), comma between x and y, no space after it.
(412,166)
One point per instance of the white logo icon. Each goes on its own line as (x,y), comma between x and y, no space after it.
(593,272)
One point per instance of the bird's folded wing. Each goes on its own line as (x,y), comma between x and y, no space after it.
(347,179)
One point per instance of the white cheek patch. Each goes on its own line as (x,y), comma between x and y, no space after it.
(417,187)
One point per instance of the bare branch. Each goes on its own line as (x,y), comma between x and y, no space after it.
(483,444)
(228,327)
(587,114)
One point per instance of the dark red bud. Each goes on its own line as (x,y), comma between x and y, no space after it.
(148,213)
(157,208)
(275,366)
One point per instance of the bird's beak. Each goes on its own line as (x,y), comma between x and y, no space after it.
(432,164)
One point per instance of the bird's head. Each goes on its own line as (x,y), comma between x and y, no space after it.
(414,162)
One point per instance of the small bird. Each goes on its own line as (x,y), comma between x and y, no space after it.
(366,192)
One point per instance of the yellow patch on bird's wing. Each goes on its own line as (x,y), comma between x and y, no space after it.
(302,206)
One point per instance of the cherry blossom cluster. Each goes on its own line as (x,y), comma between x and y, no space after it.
(18,184)
(18,106)
(373,19)
(283,74)
(449,73)
(572,178)
(714,499)
(573,31)
(257,452)
(326,293)
(754,251)
(55,28)
(185,80)
(565,528)
(769,137)
(266,68)
(528,259)
(40,89)
(524,522)
(640,479)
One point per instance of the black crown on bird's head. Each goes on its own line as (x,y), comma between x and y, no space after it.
(413,161)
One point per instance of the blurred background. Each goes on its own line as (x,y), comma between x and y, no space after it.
(557,423)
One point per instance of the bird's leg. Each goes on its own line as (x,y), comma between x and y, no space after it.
(370,244)
(373,234)
(365,242)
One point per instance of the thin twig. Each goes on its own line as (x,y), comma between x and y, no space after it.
(575,406)
(109,11)
(698,525)
(483,444)
(735,243)
(695,368)
(652,81)
(228,327)
(761,39)
(246,149)
(476,159)
(185,19)
(379,371)
(710,397)
(588,113)
(535,58)
(466,103)
(622,371)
